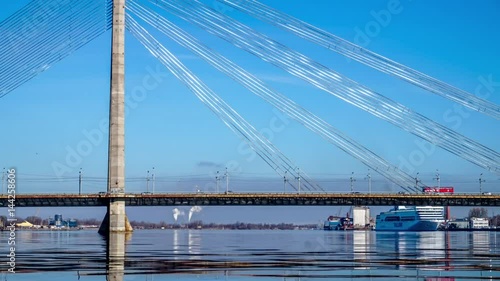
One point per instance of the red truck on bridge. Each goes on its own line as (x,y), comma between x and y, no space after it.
(435,189)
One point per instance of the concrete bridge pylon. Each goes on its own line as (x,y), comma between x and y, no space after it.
(116,219)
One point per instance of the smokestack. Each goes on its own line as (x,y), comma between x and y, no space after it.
(194,209)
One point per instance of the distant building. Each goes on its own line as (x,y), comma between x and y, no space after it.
(361,216)
(58,222)
(479,223)
(58,217)
(458,224)
(72,223)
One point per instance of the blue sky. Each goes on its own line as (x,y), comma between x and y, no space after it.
(170,130)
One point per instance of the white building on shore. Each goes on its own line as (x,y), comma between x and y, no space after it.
(479,223)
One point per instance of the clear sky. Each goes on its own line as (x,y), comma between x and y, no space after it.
(50,116)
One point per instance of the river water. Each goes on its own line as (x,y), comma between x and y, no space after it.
(254,255)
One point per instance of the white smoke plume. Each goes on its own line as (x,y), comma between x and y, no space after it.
(176,212)
(194,209)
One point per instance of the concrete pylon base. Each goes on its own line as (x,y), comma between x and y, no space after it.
(115,219)
(104,228)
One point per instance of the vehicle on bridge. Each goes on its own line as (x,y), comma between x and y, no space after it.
(436,189)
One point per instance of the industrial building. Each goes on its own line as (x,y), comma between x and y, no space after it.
(458,223)
(477,223)
(361,216)
(58,222)
(465,223)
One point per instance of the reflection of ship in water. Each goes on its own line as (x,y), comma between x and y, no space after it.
(420,218)
(437,251)
(429,246)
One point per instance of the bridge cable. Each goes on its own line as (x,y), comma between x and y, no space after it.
(334,83)
(360,54)
(228,116)
(44,32)
(281,102)
(233,120)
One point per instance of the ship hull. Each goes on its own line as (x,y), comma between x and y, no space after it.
(408,226)
(332,225)
(337,223)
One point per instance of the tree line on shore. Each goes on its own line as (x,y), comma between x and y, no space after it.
(233,226)
(474,212)
(162,224)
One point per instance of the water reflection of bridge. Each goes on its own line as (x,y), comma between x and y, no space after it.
(251,199)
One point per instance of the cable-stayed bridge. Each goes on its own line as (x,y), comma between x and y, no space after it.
(72,24)
(253,199)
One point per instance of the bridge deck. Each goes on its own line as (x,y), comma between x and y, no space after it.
(250,199)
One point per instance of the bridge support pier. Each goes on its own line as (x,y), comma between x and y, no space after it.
(115,220)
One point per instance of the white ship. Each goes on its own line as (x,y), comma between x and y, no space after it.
(420,218)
